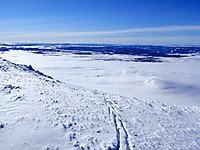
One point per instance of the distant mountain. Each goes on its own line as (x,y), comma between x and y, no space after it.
(143,50)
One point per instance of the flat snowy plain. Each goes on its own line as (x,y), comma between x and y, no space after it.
(89,107)
(175,81)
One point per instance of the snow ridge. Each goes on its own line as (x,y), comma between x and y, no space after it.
(22,67)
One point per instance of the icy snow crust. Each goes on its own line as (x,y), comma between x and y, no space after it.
(38,112)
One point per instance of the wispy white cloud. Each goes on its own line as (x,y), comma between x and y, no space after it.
(165,40)
(117,36)
(105,33)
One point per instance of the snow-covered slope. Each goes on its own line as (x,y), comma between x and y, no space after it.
(38,112)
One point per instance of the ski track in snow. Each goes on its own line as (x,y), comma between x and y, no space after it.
(38,112)
(121,132)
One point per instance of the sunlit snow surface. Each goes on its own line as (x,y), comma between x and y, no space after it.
(173,81)
(37,112)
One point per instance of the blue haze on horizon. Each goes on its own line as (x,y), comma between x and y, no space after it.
(172,22)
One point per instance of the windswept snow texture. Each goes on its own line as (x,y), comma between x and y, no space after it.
(38,112)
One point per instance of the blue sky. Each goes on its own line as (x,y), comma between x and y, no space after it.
(166,22)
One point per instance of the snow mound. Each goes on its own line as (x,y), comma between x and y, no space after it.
(38,112)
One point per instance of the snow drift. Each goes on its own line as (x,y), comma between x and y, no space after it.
(38,112)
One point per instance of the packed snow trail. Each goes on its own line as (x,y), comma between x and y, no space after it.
(38,112)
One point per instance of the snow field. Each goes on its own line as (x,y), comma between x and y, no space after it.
(38,112)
